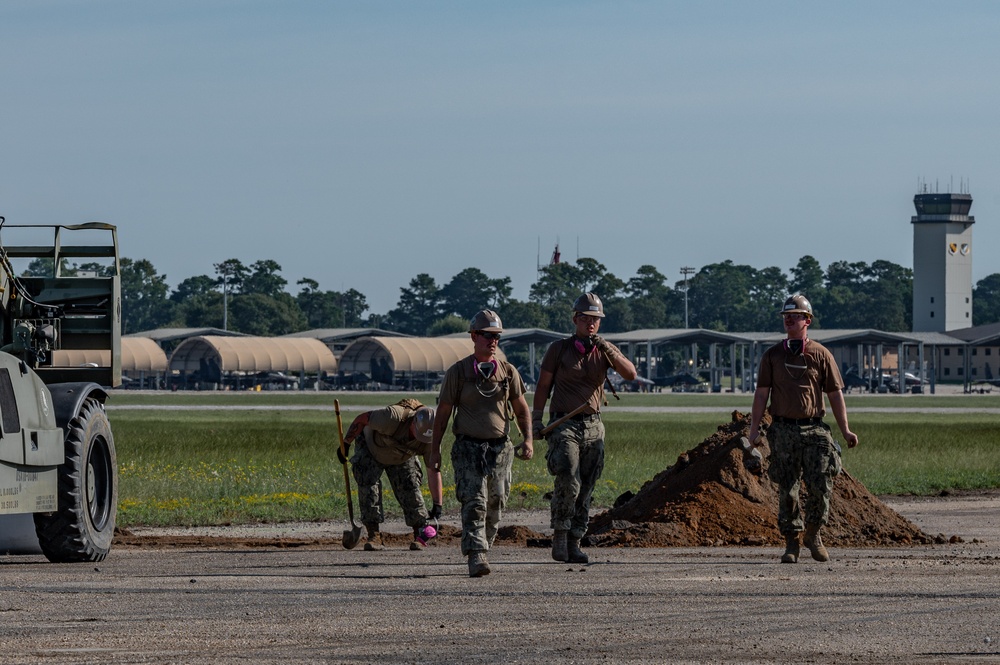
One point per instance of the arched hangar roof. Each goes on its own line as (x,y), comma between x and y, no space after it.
(254,354)
(407,354)
(139,354)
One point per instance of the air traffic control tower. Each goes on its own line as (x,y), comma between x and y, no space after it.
(942,262)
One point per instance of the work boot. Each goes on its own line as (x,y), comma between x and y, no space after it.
(417,544)
(374,543)
(791,554)
(815,543)
(478,565)
(559,551)
(576,555)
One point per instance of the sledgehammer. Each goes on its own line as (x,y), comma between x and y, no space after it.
(351,537)
(752,459)
(551,426)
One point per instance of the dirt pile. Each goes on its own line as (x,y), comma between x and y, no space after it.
(717,494)
(714,495)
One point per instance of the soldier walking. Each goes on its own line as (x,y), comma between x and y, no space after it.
(574,370)
(794,374)
(482,391)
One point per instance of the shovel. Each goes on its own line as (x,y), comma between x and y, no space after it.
(351,537)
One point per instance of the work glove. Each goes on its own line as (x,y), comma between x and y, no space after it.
(537,425)
(606,347)
(436,511)
(342,454)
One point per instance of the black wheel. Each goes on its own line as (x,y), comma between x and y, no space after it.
(84,526)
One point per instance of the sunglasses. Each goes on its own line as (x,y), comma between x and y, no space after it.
(795,316)
(488,335)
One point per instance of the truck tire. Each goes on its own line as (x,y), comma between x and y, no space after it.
(84,526)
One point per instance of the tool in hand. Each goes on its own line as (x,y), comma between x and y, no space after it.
(352,536)
(551,426)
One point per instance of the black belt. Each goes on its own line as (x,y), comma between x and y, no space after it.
(798,421)
(493,442)
(580,416)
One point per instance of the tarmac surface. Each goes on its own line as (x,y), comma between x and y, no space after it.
(323,604)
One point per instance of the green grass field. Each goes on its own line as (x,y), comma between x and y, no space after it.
(273,458)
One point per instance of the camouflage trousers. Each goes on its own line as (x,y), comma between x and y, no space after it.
(802,454)
(482,485)
(405,479)
(575,457)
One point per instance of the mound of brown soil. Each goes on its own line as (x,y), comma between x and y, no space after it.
(717,494)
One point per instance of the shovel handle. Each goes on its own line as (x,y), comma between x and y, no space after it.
(340,426)
(343,451)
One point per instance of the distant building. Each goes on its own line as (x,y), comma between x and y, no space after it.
(942,262)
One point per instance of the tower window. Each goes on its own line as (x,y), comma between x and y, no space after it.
(966,301)
(932,300)
(932,315)
(947,352)
(947,371)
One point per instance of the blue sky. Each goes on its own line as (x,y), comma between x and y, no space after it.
(360,144)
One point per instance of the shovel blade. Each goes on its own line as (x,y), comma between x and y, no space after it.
(351,538)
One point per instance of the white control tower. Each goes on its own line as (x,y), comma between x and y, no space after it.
(942,262)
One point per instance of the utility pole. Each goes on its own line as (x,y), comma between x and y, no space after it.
(225,301)
(686,271)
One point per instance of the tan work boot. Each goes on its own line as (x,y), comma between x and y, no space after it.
(559,551)
(576,555)
(792,546)
(417,544)
(374,543)
(478,565)
(815,543)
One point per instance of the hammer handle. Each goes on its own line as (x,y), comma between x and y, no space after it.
(547,430)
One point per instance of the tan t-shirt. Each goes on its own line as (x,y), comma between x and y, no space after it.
(481,405)
(578,377)
(798,382)
(388,436)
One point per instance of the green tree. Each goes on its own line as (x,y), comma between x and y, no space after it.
(354,304)
(43,267)
(889,290)
(560,284)
(472,290)
(857,295)
(986,300)
(447,325)
(718,296)
(806,278)
(321,309)
(263,278)
(768,290)
(261,314)
(419,306)
(145,305)
(231,275)
(523,314)
(649,297)
(197,303)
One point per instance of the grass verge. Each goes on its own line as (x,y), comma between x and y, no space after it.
(218,466)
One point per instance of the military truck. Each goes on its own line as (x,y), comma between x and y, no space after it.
(60,349)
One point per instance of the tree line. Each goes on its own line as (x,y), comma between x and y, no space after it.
(727,297)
